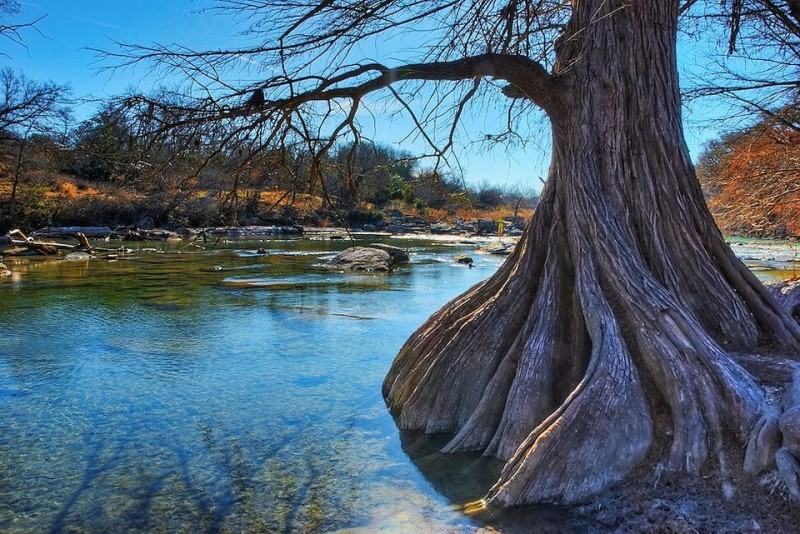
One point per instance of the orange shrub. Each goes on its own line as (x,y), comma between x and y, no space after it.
(756,183)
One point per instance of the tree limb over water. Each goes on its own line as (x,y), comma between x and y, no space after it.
(602,344)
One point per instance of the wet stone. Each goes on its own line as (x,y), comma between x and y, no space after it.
(363,259)
(398,254)
(464,259)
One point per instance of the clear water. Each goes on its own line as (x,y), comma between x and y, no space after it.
(226,390)
(232,390)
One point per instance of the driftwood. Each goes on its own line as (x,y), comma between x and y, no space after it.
(39,244)
(16,243)
(83,242)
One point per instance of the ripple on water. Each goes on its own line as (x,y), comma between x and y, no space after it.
(158,394)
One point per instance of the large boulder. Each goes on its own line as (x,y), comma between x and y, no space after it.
(398,254)
(362,259)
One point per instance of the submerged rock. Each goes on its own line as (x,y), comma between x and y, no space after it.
(4,271)
(363,259)
(74,256)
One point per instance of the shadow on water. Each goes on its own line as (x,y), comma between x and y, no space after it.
(465,478)
(97,464)
(163,399)
(461,478)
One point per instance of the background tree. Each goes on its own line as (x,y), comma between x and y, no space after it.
(28,110)
(106,147)
(752,179)
(368,170)
(603,342)
(9,30)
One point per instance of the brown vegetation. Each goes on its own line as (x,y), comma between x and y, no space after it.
(752,181)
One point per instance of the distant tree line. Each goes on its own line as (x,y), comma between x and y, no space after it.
(194,177)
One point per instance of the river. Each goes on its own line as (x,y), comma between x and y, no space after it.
(186,389)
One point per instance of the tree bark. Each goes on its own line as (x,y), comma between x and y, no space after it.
(619,303)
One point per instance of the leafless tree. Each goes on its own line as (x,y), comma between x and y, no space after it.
(27,108)
(765,36)
(603,342)
(10,30)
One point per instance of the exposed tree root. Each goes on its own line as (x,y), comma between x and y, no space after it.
(556,363)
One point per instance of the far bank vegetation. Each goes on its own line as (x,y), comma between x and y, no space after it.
(103,171)
(751,177)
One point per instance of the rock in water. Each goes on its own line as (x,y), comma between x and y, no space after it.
(75,256)
(499,249)
(363,259)
(4,271)
(398,254)
(462,258)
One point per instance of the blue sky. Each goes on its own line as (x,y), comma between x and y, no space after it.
(59,52)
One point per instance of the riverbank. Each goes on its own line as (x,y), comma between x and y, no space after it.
(771,260)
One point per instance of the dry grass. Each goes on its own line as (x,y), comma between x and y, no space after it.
(303,202)
(470,214)
(67,189)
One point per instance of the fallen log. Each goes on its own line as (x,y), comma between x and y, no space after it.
(83,242)
(61,246)
(16,243)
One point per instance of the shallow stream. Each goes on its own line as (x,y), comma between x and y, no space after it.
(190,390)
(234,389)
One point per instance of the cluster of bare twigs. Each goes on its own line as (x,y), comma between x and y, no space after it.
(304,78)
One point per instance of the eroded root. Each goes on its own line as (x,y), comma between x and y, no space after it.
(596,436)
(557,363)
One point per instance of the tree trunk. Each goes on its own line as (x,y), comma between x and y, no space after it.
(603,338)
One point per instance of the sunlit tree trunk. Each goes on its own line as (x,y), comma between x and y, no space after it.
(604,336)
